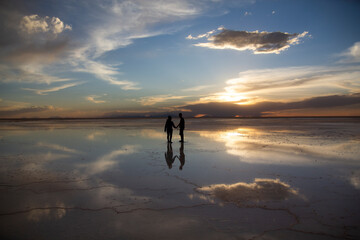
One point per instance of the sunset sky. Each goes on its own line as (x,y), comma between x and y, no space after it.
(97,58)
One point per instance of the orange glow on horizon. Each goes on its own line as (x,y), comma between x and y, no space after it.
(199,115)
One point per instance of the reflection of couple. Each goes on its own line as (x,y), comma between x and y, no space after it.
(169,125)
(170,158)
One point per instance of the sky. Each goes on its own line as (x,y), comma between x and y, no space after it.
(213,58)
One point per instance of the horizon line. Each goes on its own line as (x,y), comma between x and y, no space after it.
(143,117)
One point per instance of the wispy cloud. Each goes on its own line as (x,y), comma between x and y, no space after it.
(27,74)
(107,73)
(288,83)
(146,101)
(12,111)
(125,21)
(93,98)
(352,54)
(93,136)
(53,89)
(38,40)
(197,88)
(258,42)
(57,147)
(109,160)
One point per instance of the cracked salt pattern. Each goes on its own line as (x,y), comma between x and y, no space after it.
(232,179)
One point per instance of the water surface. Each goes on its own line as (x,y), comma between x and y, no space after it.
(231,179)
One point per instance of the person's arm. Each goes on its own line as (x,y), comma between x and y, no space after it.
(165,128)
(174,125)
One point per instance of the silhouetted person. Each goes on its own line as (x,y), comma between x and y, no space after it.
(169,128)
(169,155)
(181,125)
(182,156)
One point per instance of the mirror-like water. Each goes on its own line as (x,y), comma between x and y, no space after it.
(231,179)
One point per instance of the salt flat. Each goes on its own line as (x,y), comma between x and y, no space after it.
(292,178)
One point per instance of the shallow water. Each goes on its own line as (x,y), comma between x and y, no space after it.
(231,179)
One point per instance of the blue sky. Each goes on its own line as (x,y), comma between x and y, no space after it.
(204,58)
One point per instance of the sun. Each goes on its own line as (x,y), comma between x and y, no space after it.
(234,97)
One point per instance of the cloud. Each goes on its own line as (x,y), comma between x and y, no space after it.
(125,22)
(107,161)
(35,24)
(27,75)
(33,53)
(258,42)
(330,105)
(7,113)
(29,44)
(106,73)
(288,83)
(205,35)
(146,101)
(58,147)
(354,179)
(197,88)
(258,191)
(93,136)
(53,89)
(39,40)
(351,55)
(226,109)
(92,98)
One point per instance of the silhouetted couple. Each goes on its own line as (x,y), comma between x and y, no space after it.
(170,158)
(169,125)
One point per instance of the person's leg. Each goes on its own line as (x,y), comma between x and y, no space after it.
(182,135)
(170,136)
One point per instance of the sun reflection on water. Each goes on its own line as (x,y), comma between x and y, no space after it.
(274,146)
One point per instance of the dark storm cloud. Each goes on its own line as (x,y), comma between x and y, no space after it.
(258,42)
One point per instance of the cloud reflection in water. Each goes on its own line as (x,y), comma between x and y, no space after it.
(109,160)
(260,190)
